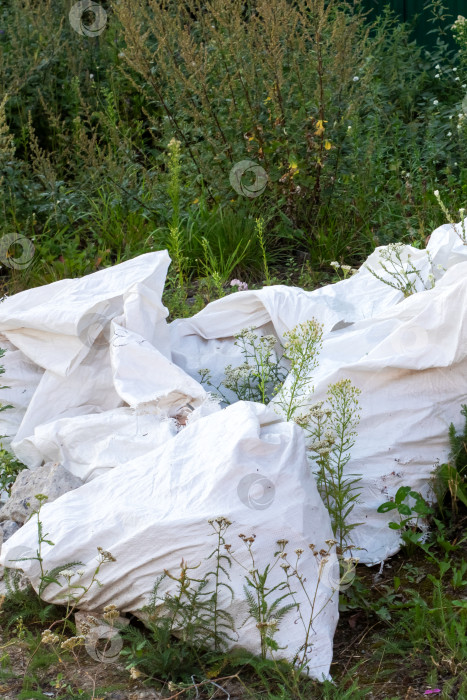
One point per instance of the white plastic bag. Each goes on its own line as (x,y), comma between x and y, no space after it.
(407,355)
(106,375)
(93,345)
(151,513)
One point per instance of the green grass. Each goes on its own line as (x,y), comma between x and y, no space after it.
(86,171)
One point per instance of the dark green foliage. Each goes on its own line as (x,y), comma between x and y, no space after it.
(10,467)
(86,176)
(23,603)
(458,443)
(450,478)
(181,637)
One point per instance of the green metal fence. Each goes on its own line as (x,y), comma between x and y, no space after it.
(408,9)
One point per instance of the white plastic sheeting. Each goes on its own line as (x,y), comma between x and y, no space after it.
(407,355)
(153,511)
(101,342)
(104,374)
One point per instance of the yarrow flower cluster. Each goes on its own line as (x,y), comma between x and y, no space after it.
(234,375)
(135,674)
(221,521)
(66,574)
(72,642)
(346,269)
(88,624)
(247,539)
(110,612)
(48,637)
(105,556)
(315,412)
(323,447)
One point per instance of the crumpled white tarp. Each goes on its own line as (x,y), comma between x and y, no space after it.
(101,342)
(103,375)
(153,511)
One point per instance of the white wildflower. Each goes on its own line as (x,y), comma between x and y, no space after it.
(324,451)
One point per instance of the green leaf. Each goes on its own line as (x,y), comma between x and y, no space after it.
(395,526)
(383,613)
(402,494)
(386,507)
(404,509)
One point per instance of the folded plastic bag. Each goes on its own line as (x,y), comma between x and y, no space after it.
(242,463)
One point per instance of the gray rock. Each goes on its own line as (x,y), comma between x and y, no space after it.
(52,480)
(8,528)
(149,694)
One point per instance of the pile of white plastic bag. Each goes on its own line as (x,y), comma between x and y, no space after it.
(101,384)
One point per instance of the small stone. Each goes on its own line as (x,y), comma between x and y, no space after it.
(8,528)
(52,480)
